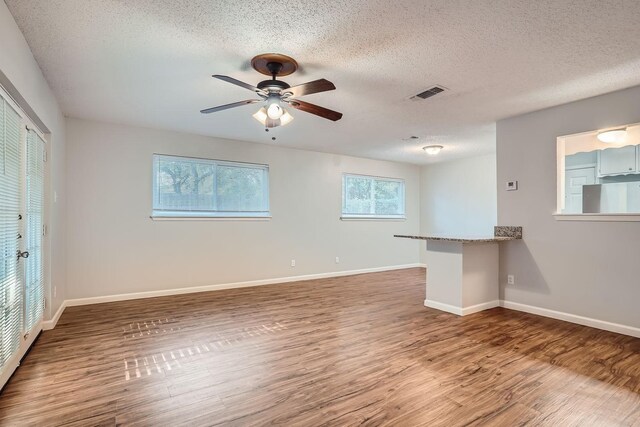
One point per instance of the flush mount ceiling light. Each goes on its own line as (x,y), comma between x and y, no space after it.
(613,136)
(276,94)
(432,150)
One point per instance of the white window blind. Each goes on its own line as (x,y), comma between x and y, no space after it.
(193,187)
(11,293)
(21,220)
(34,304)
(372,197)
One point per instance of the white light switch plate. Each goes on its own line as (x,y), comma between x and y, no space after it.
(512,185)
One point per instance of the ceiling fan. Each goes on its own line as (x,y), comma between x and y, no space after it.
(275,94)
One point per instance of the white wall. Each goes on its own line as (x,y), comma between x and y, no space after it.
(458,198)
(19,66)
(589,269)
(118,249)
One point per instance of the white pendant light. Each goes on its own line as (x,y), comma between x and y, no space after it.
(432,150)
(613,136)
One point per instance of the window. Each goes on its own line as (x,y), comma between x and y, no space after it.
(372,197)
(190,187)
(599,175)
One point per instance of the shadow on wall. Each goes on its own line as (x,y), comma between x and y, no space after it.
(529,277)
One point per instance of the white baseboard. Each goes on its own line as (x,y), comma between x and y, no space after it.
(567,317)
(461,311)
(586,321)
(573,318)
(443,307)
(480,307)
(50,324)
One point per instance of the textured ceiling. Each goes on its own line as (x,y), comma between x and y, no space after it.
(149,62)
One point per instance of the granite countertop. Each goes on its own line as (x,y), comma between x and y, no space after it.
(481,239)
(501,234)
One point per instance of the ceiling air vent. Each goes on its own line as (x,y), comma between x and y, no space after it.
(429,93)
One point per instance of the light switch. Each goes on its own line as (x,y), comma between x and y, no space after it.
(512,185)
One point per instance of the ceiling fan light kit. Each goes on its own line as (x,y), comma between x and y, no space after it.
(263,117)
(275,94)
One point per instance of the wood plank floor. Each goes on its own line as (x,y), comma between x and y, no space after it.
(343,351)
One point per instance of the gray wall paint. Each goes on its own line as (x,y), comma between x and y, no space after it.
(458,198)
(590,269)
(118,249)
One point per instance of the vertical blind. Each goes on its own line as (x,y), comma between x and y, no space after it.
(11,293)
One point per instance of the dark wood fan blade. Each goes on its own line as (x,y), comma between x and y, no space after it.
(227,106)
(308,88)
(315,109)
(239,83)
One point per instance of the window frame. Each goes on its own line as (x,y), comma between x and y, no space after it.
(558,214)
(202,214)
(374,216)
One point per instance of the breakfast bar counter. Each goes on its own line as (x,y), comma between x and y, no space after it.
(462,271)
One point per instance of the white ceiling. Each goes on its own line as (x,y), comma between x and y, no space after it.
(149,62)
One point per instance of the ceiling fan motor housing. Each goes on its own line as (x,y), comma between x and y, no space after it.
(273,85)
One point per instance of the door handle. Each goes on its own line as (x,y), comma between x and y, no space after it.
(21,254)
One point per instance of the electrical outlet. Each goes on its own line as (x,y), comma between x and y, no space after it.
(337,260)
(511,280)
(293,263)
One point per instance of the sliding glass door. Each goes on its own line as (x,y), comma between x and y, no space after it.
(21,230)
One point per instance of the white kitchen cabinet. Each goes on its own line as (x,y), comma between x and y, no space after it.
(616,161)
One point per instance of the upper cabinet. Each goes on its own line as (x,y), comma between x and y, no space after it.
(617,161)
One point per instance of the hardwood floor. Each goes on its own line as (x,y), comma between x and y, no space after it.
(344,351)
